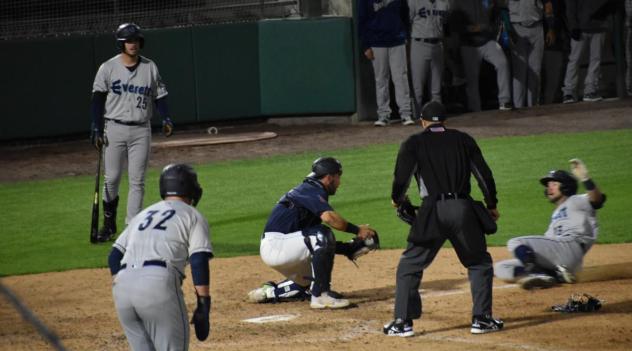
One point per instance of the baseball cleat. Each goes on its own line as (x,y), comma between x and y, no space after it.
(486,324)
(325,301)
(537,281)
(564,275)
(381,122)
(569,99)
(407,121)
(262,294)
(399,328)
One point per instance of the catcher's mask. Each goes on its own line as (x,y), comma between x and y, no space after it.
(324,166)
(568,183)
(180,180)
(128,31)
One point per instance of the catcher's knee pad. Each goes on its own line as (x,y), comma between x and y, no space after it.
(320,239)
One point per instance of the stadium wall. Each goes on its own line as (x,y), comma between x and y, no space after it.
(214,72)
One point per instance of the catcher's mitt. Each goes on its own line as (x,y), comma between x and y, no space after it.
(358,247)
(579,302)
(407,212)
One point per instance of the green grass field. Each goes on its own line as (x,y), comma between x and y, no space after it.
(45,224)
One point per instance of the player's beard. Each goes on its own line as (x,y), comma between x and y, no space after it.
(331,189)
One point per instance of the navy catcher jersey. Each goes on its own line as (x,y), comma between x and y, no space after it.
(299,208)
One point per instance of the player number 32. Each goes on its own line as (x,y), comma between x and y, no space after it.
(166,215)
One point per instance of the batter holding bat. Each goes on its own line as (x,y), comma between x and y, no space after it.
(125,90)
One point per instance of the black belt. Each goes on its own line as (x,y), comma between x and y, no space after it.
(149,263)
(451,196)
(126,123)
(429,40)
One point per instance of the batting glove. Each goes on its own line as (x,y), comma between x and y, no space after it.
(96,138)
(201,317)
(579,169)
(167,127)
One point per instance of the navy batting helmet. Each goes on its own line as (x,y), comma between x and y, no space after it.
(325,165)
(128,31)
(180,180)
(568,183)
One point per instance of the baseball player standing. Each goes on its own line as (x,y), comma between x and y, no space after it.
(628,46)
(526,18)
(544,261)
(442,160)
(382,27)
(147,262)
(298,245)
(125,89)
(428,19)
(474,23)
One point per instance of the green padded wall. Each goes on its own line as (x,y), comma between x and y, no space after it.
(46,87)
(306,66)
(226,64)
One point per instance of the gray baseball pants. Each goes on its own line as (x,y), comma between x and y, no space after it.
(426,58)
(591,82)
(526,62)
(457,219)
(549,252)
(132,143)
(151,308)
(471,56)
(391,62)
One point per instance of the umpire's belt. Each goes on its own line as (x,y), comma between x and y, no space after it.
(450,196)
(429,40)
(149,263)
(126,123)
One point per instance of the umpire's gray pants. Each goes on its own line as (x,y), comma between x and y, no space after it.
(391,62)
(526,62)
(591,83)
(426,58)
(471,56)
(457,220)
(132,143)
(150,306)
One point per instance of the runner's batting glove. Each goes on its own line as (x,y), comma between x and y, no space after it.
(579,169)
(167,127)
(201,317)
(96,138)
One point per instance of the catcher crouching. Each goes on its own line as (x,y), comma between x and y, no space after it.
(297,243)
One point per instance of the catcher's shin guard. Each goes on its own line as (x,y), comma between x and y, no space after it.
(109,221)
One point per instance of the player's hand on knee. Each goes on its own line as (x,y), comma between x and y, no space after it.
(167,127)
(201,317)
(579,169)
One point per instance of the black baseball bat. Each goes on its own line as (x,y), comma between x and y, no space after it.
(94,229)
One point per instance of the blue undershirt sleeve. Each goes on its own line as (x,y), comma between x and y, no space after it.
(199,268)
(114,260)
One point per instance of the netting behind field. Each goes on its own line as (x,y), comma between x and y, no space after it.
(40,18)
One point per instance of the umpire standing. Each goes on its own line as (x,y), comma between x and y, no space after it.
(442,160)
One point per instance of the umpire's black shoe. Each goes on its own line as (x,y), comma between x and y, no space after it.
(400,328)
(485,324)
(105,235)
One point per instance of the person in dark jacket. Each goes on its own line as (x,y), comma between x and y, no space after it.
(382,27)
(441,161)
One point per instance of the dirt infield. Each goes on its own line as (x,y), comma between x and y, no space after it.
(78,304)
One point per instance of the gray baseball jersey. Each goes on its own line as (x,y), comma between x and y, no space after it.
(147,294)
(526,12)
(131,95)
(428,18)
(571,233)
(128,108)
